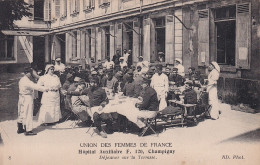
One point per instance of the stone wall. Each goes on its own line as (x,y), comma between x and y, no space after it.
(237,90)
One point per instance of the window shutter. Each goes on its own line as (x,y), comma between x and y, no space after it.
(85,4)
(203,38)
(146,39)
(119,36)
(169,46)
(74,44)
(103,45)
(47,10)
(243,36)
(57,8)
(77,5)
(112,41)
(31,4)
(136,40)
(92,3)
(71,4)
(93,42)
(64,8)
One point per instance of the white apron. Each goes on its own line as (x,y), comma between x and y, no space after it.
(213,93)
(161,85)
(25,111)
(50,108)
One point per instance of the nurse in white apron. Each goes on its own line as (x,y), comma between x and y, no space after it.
(50,108)
(212,89)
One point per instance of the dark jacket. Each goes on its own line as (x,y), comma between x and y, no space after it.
(178,79)
(150,101)
(96,95)
(190,96)
(129,89)
(116,59)
(137,85)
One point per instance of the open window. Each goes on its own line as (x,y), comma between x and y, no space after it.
(225,23)
(6,47)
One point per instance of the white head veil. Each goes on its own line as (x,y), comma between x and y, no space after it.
(47,67)
(216,66)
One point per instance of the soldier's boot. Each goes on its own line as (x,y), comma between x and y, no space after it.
(20,128)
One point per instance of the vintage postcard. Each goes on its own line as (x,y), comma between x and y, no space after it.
(129,82)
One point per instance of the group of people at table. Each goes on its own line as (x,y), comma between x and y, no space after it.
(109,92)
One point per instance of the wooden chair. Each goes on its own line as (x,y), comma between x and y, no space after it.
(149,122)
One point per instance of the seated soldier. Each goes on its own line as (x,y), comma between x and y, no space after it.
(68,81)
(150,104)
(97,100)
(190,96)
(137,72)
(72,87)
(119,85)
(80,104)
(137,85)
(101,76)
(125,75)
(111,80)
(198,78)
(191,71)
(176,78)
(129,89)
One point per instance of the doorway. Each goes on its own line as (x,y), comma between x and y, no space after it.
(128,36)
(61,38)
(159,36)
(39,52)
(107,41)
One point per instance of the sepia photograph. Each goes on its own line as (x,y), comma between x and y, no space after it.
(158,82)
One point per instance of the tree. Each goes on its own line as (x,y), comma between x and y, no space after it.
(12,10)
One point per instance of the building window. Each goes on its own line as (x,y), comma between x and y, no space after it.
(159,35)
(225,23)
(38,9)
(128,35)
(6,47)
(74,44)
(88,51)
(88,4)
(64,12)
(107,40)
(74,7)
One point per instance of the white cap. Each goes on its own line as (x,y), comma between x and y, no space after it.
(58,59)
(76,79)
(179,60)
(47,67)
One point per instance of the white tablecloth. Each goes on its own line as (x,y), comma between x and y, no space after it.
(124,106)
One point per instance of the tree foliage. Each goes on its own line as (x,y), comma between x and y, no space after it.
(12,10)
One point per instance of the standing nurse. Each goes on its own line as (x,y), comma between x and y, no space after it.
(50,109)
(212,89)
